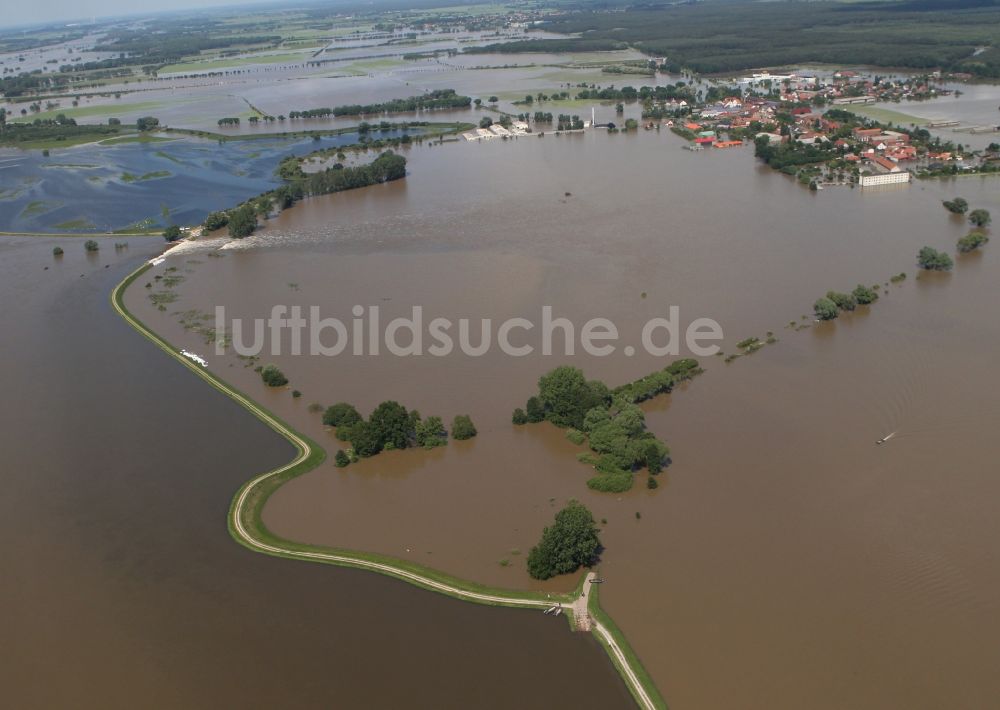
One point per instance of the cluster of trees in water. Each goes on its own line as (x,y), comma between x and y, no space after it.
(971,241)
(679,91)
(438,99)
(830,306)
(928,258)
(607,420)
(569,543)
(390,426)
(530,99)
(272,376)
(569,123)
(242,220)
(979,219)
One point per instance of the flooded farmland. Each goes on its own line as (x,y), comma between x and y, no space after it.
(137,185)
(784,554)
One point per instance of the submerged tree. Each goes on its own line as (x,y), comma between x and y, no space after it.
(971,242)
(430,432)
(462,427)
(843,301)
(825,309)
(391,425)
(568,544)
(979,218)
(242,221)
(934,260)
(216,220)
(341,414)
(272,376)
(567,396)
(864,295)
(956,206)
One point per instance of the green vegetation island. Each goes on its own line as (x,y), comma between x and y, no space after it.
(608,421)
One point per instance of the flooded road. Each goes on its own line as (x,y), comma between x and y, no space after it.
(121,579)
(784,555)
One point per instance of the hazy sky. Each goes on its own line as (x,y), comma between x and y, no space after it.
(19,12)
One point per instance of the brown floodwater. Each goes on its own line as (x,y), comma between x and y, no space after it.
(785,560)
(121,586)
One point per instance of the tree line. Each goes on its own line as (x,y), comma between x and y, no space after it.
(242,220)
(834,303)
(438,99)
(390,426)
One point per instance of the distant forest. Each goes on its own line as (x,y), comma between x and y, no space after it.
(723,36)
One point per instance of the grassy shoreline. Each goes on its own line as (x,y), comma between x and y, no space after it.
(594,607)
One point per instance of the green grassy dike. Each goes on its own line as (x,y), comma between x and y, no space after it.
(247,527)
(598,614)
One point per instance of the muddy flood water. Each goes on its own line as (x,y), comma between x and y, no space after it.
(121,586)
(785,560)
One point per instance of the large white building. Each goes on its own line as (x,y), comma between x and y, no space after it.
(889,173)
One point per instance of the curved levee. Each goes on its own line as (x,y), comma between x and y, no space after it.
(247,528)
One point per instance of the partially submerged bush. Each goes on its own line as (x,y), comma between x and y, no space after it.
(462,427)
(825,309)
(971,242)
(272,376)
(934,260)
(864,295)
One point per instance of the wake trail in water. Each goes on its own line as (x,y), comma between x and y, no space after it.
(971,421)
